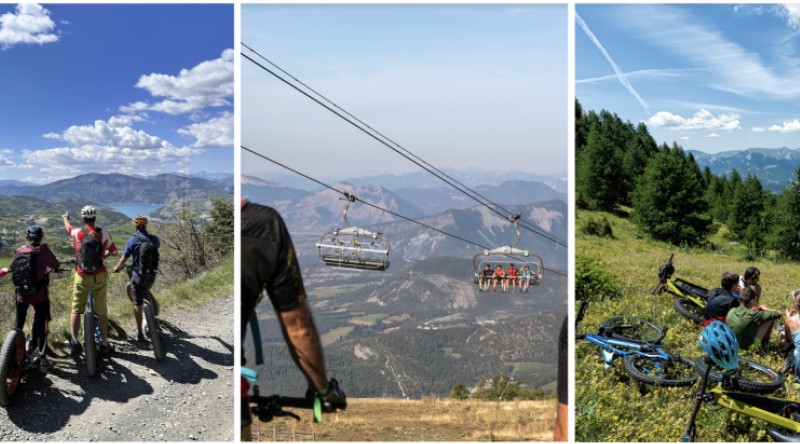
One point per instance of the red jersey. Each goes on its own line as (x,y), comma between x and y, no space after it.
(77,235)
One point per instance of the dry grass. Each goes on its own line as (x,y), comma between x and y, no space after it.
(429,419)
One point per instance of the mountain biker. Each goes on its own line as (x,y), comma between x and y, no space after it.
(90,275)
(142,275)
(721,300)
(751,326)
(269,264)
(751,278)
(41,258)
(793,327)
(527,276)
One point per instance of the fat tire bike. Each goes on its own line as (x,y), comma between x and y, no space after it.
(150,325)
(638,341)
(691,298)
(731,393)
(16,360)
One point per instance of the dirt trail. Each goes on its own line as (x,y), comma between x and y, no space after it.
(187,396)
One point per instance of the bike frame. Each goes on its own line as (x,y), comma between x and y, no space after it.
(634,348)
(672,288)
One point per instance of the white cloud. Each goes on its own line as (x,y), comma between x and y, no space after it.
(97,158)
(791,12)
(701,120)
(787,127)
(685,138)
(214,133)
(117,132)
(712,135)
(30,25)
(210,83)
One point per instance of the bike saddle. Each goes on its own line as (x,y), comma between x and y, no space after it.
(782,437)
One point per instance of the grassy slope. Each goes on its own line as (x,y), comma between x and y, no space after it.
(429,419)
(213,284)
(644,413)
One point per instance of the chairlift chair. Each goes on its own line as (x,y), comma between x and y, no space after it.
(353,247)
(507,255)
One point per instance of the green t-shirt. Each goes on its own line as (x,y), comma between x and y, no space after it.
(744,322)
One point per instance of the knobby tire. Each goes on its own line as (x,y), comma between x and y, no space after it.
(640,331)
(676,371)
(89,343)
(752,377)
(155,338)
(689,310)
(12,359)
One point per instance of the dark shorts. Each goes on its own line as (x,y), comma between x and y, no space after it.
(141,285)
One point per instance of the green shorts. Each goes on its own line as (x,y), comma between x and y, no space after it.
(82,285)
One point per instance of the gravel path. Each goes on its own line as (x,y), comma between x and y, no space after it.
(187,396)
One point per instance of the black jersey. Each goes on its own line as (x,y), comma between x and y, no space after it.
(268,262)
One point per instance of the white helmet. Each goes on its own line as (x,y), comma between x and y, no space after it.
(88,212)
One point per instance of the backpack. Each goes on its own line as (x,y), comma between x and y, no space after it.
(24,275)
(90,254)
(148,256)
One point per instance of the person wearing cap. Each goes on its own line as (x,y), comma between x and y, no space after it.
(140,280)
(42,259)
(86,280)
(751,326)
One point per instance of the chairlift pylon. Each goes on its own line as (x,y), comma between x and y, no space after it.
(353,247)
(504,257)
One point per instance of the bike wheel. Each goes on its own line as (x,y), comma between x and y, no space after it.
(689,310)
(89,343)
(12,360)
(751,377)
(634,329)
(676,371)
(155,338)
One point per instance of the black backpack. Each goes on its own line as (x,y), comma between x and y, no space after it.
(148,256)
(90,254)
(24,275)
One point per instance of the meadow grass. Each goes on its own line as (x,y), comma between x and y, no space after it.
(643,413)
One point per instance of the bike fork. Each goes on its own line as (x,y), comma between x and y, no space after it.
(689,435)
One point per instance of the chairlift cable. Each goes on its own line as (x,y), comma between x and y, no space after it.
(483,247)
(419,162)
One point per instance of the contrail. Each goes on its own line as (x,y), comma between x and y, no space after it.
(620,74)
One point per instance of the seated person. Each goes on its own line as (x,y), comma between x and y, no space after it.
(751,326)
(721,300)
(751,278)
(484,278)
(792,340)
(526,275)
(499,276)
(512,277)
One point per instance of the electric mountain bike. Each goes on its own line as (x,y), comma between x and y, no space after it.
(91,335)
(16,360)
(692,298)
(743,395)
(639,342)
(150,324)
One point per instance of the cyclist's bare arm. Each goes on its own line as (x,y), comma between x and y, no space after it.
(304,343)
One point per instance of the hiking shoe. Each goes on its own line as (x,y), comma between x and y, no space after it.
(105,349)
(74,346)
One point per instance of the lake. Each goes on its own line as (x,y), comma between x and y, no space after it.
(134,209)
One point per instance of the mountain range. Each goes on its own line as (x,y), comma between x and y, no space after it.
(119,188)
(775,167)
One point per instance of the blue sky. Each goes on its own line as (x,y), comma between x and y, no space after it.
(134,89)
(709,77)
(459,85)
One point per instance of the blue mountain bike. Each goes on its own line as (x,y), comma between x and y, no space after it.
(638,341)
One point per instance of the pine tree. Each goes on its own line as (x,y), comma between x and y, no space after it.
(669,200)
(745,220)
(786,221)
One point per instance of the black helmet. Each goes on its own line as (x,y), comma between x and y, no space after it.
(35,233)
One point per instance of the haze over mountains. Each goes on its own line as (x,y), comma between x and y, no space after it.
(421,326)
(775,167)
